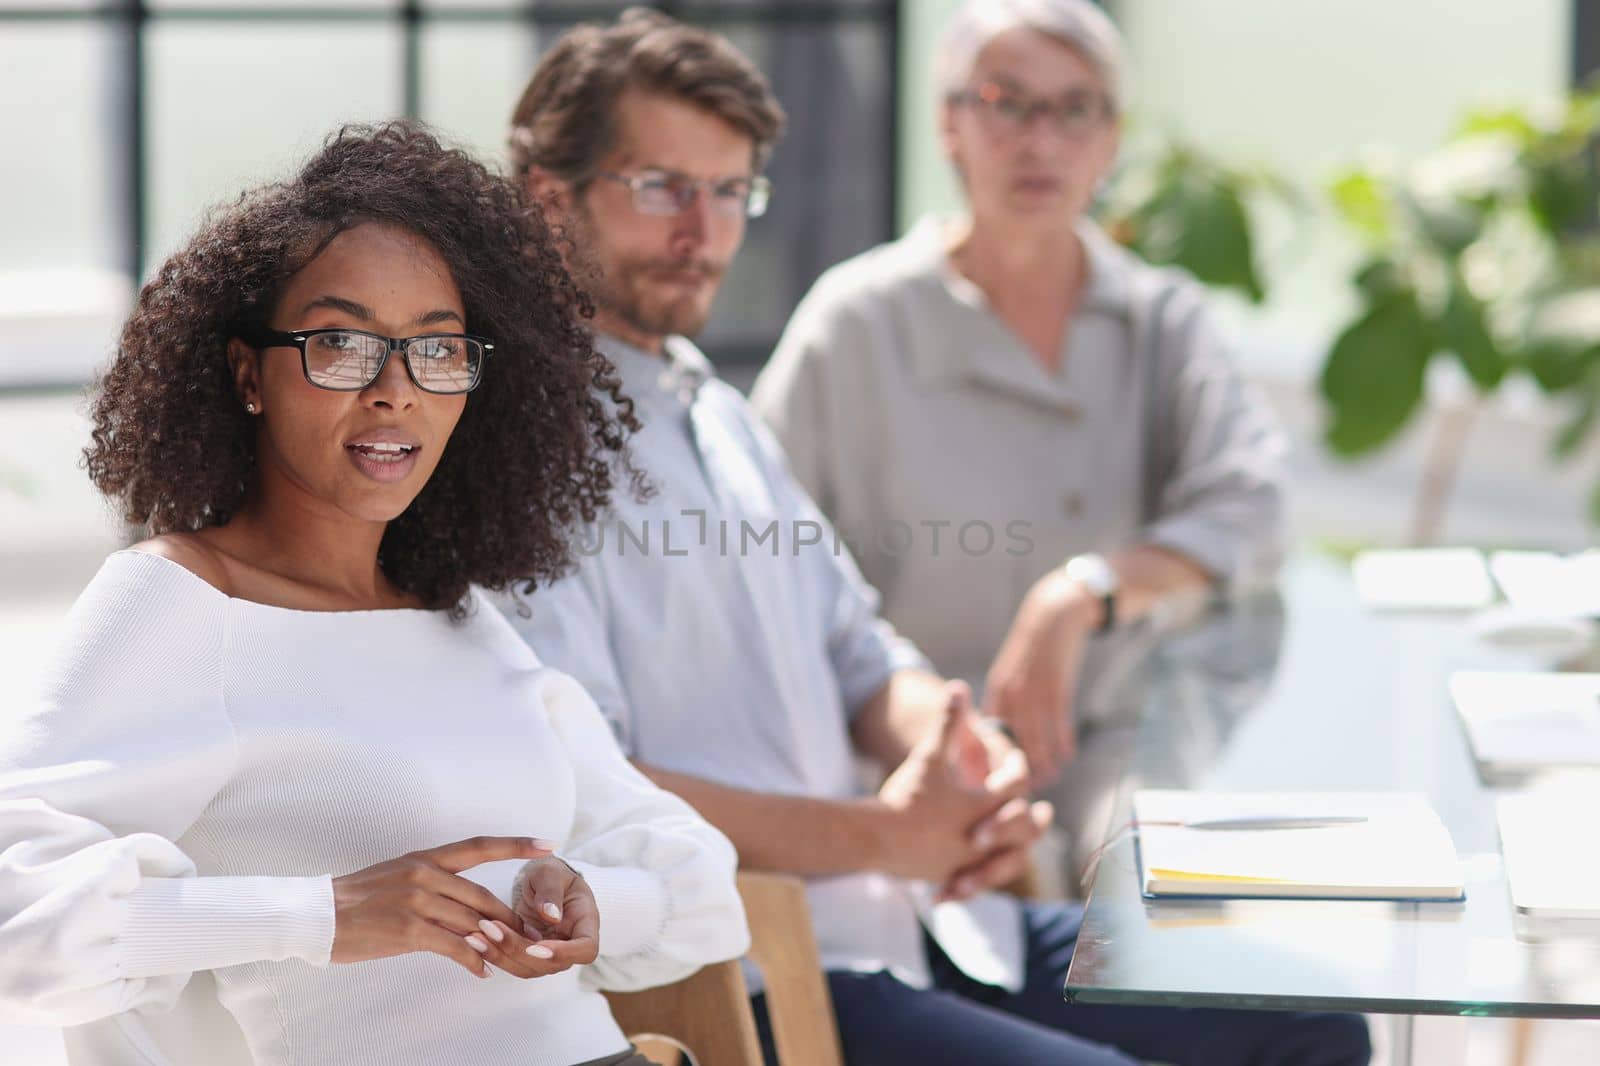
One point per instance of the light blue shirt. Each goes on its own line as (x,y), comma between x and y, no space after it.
(726,634)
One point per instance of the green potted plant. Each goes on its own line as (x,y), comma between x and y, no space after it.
(1176,204)
(1487,252)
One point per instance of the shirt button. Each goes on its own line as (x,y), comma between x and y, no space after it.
(1072,505)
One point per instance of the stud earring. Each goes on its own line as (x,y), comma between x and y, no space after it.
(250,407)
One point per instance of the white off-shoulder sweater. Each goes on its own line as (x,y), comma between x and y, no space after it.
(197,769)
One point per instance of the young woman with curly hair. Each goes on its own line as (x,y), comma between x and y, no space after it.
(285,731)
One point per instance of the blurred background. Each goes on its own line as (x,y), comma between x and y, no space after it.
(1395,201)
(1278,150)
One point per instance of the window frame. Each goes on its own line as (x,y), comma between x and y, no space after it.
(136,17)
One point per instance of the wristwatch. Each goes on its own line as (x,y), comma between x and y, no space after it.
(1098,579)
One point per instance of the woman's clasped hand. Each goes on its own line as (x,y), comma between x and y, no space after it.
(420,902)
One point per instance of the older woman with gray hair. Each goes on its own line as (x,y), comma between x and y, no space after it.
(1033,440)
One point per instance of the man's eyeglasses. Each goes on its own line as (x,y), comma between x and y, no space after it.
(1007,113)
(349,360)
(659,192)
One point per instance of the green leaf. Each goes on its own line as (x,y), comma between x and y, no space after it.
(1373,376)
(1576,431)
(1360,198)
(1562,192)
(1462,327)
(1196,220)
(1558,363)
(1448,224)
(1501,120)
(1276,185)
(1594,506)
(1583,113)
(1378,279)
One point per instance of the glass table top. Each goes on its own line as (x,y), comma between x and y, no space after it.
(1314,693)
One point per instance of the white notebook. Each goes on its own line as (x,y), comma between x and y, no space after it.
(1423,579)
(1397,850)
(1550,584)
(1553,874)
(1518,723)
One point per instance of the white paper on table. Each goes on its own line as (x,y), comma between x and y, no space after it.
(1553,869)
(1550,584)
(1521,722)
(1423,579)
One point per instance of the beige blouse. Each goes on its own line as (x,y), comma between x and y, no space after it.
(959,470)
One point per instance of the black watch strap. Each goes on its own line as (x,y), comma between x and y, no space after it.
(1108,613)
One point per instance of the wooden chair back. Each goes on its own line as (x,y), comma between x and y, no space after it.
(784,947)
(709,1012)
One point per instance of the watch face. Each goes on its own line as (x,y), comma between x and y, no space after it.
(1093,573)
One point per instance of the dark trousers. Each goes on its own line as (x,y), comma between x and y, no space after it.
(960,1022)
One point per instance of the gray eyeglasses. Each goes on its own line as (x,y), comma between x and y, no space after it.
(1008,113)
(661,192)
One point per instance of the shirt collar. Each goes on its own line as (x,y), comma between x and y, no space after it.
(677,372)
(1108,290)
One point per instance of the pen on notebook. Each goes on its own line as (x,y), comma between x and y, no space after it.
(1275,821)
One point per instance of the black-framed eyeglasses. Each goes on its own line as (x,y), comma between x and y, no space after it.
(1008,113)
(349,360)
(662,192)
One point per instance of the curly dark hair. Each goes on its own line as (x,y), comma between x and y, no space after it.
(538,446)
